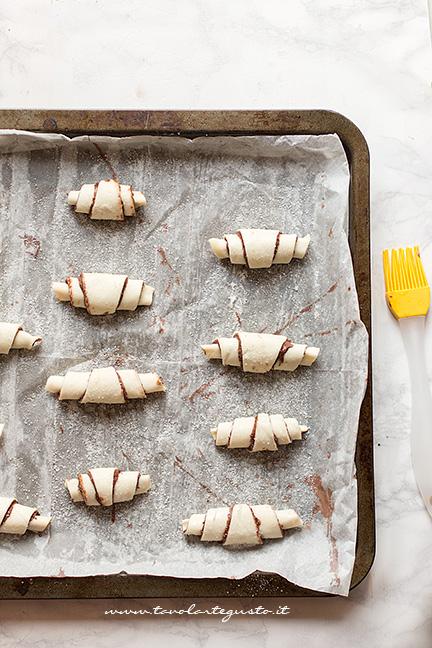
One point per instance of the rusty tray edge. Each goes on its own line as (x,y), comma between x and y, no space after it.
(194,124)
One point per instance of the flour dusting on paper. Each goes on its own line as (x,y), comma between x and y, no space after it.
(195,190)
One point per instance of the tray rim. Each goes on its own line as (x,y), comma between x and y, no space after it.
(194,123)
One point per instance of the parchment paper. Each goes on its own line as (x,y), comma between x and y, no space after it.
(195,190)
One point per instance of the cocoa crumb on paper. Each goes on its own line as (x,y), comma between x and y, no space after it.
(178,463)
(202,391)
(32,245)
(307,309)
(325,506)
(164,258)
(107,161)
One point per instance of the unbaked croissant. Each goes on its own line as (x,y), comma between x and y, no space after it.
(107,486)
(259,248)
(104,385)
(260,432)
(260,352)
(241,524)
(12,336)
(16,518)
(106,200)
(102,293)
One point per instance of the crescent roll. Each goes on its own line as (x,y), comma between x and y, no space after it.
(260,352)
(260,248)
(241,524)
(102,293)
(104,385)
(106,200)
(12,336)
(16,518)
(107,486)
(260,432)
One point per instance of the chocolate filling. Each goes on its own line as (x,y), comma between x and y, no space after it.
(123,291)
(69,285)
(284,348)
(122,387)
(257,524)
(98,499)
(96,186)
(132,200)
(8,512)
(227,525)
(81,488)
(230,435)
(244,248)
(286,427)
(121,201)
(34,515)
(227,246)
(81,282)
(276,245)
(240,350)
(253,434)
(115,477)
(13,341)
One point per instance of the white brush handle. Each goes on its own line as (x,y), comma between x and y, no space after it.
(413,333)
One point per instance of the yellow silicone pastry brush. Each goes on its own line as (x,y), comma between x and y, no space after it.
(408,297)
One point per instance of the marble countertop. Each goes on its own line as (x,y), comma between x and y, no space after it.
(368,59)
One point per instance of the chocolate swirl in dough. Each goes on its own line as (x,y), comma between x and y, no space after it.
(107,486)
(16,518)
(104,385)
(12,336)
(260,352)
(260,432)
(241,524)
(102,293)
(260,248)
(106,200)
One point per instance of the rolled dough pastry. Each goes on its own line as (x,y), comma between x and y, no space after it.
(102,293)
(260,248)
(106,200)
(260,432)
(107,486)
(12,336)
(260,352)
(1,429)
(16,518)
(241,524)
(104,385)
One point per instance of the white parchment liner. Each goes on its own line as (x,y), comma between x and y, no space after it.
(195,190)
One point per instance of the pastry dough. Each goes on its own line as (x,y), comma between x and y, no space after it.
(260,352)
(241,524)
(260,248)
(16,518)
(106,200)
(1,429)
(102,293)
(260,432)
(12,336)
(104,385)
(107,486)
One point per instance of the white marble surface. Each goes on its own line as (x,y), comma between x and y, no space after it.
(370,60)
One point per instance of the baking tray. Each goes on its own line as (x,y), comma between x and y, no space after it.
(194,124)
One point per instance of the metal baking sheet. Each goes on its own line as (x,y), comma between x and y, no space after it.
(182,581)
